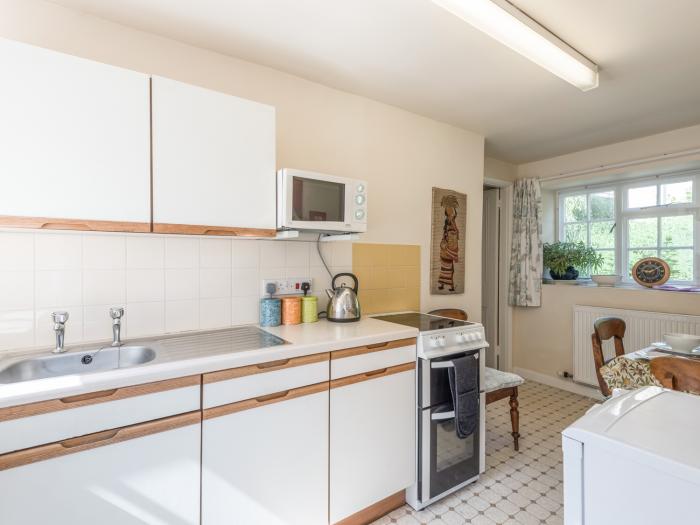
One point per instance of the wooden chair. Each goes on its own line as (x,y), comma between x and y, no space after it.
(497,384)
(603,329)
(452,313)
(677,373)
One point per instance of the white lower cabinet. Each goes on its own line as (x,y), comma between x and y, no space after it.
(144,474)
(265,460)
(372,438)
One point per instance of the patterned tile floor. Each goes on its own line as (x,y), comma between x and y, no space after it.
(518,488)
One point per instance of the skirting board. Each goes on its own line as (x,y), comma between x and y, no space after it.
(557,382)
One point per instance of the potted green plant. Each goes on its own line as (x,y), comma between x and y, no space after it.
(566,259)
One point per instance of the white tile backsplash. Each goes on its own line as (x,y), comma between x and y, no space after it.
(16,290)
(104,287)
(16,251)
(245,254)
(215,253)
(166,283)
(181,283)
(245,310)
(214,283)
(215,313)
(57,251)
(245,282)
(144,252)
(145,319)
(145,285)
(296,254)
(181,252)
(16,328)
(181,315)
(341,255)
(272,254)
(104,252)
(58,287)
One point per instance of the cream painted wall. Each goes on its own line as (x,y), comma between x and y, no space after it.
(663,143)
(542,337)
(401,154)
(499,170)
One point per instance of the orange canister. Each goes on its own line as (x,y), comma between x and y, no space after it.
(291,310)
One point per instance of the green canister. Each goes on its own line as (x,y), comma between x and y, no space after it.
(309,309)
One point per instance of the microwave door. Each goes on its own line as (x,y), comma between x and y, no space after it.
(317,202)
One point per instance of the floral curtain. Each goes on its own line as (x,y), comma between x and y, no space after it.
(525,287)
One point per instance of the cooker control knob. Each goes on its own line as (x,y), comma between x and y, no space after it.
(441,340)
(434,342)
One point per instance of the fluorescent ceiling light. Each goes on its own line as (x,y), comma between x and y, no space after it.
(506,23)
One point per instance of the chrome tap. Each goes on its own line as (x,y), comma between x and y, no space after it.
(116,314)
(59,326)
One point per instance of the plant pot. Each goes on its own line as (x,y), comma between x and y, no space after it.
(571,274)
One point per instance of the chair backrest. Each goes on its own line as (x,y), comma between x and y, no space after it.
(677,373)
(606,328)
(452,313)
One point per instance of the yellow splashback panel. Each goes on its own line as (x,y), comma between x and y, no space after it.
(389,276)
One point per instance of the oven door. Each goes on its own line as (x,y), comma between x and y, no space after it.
(434,387)
(446,460)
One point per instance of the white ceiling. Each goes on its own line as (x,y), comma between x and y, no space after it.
(415,55)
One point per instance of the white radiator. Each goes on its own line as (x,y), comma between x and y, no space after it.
(643,328)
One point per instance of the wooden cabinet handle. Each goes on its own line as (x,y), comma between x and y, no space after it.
(97,439)
(369,376)
(272,364)
(90,395)
(257,402)
(65,223)
(270,397)
(90,438)
(65,226)
(375,347)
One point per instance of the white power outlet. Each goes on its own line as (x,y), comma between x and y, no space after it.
(290,286)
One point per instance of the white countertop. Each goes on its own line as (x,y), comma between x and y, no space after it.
(194,353)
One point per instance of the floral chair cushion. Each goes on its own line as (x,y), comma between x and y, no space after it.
(628,374)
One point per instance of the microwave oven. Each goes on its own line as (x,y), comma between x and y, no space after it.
(319,202)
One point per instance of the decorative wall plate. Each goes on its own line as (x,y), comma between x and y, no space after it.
(651,271)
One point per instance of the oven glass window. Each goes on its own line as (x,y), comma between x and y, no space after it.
(317,200)
(451,450)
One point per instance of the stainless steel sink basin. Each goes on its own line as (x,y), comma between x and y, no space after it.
(107,358)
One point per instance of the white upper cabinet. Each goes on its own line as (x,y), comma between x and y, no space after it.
(74,142)
(213,162)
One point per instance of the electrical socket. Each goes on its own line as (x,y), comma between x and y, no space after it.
(289,286)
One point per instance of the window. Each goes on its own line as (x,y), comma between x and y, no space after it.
(589,217)
(655,217)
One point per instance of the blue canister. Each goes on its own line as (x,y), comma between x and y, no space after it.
(270,311)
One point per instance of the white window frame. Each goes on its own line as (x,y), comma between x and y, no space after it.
(588,191)
(623,214)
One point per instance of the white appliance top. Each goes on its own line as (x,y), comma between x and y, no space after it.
(654,424)
(440,336)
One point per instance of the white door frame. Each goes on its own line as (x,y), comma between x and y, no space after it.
(506,311)
(505,314)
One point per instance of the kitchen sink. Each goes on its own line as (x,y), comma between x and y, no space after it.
(107,358)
